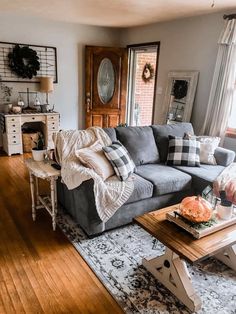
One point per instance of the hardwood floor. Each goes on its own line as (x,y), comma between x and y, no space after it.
(40,271)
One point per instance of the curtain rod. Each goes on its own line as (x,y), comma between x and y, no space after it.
(229,16)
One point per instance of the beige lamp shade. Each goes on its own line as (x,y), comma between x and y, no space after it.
(46,84)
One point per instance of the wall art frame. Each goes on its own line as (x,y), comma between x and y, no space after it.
(47,58)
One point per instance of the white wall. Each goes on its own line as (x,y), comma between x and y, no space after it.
(186,44)
(70,40)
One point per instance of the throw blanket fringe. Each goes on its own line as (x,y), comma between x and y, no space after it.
(110,194)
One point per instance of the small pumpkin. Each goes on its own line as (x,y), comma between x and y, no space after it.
(196,209)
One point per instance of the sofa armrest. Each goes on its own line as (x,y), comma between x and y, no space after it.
(223,156)
(80,204)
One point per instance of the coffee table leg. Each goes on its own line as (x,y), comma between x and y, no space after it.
(172,272)
(228,256)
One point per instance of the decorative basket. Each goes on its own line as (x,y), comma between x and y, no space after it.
(28,140)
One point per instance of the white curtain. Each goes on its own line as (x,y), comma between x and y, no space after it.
(223,87)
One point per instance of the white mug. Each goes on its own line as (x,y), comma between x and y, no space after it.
(224,212)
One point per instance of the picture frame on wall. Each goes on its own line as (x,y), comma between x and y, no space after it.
(46,57)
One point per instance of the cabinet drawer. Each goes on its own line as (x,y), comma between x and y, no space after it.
(13,130)
(53,117)
(35,118)
(12,124)
(13,127)
(53,125)
(12,119)
(13,139)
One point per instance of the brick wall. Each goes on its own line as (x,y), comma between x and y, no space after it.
(144,92)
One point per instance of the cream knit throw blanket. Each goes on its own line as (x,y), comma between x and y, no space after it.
(110,194)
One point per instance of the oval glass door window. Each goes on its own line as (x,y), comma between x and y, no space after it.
(106,80)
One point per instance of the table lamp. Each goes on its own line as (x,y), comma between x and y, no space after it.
(46,86)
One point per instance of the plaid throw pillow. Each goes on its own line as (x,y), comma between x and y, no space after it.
(183,152)
(119,158)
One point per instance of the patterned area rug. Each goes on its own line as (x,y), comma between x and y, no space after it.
(116,257)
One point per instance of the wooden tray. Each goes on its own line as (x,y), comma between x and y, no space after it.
(200,230)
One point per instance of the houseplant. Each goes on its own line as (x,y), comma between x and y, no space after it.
(39,150)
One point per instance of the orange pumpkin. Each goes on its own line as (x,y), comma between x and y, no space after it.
(196,209)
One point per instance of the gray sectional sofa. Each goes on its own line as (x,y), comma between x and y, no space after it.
(156,185)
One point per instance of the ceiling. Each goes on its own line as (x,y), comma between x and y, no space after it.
(114,13)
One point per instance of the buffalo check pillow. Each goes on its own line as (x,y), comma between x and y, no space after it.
(183,152)
(120,159)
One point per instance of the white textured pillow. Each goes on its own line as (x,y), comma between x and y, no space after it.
(208,146)
(94,158)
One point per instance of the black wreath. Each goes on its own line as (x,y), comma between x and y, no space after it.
(148,72)
(180,89)
(24,61)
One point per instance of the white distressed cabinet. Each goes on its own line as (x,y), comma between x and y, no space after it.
(11,125)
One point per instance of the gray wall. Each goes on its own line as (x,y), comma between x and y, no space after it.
(70,40)
(186,44)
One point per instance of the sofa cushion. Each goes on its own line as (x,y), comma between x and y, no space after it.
(140,143)
(165,179)
(161,133)
(111,132)
(142,189)
(203,175)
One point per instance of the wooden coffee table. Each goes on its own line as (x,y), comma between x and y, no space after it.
(170,269)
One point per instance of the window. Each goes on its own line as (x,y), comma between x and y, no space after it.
(232,120)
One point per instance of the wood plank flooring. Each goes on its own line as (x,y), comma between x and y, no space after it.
(40,271)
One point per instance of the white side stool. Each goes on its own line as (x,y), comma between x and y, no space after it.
(44,171)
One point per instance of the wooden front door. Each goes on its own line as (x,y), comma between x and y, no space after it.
(106,84)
